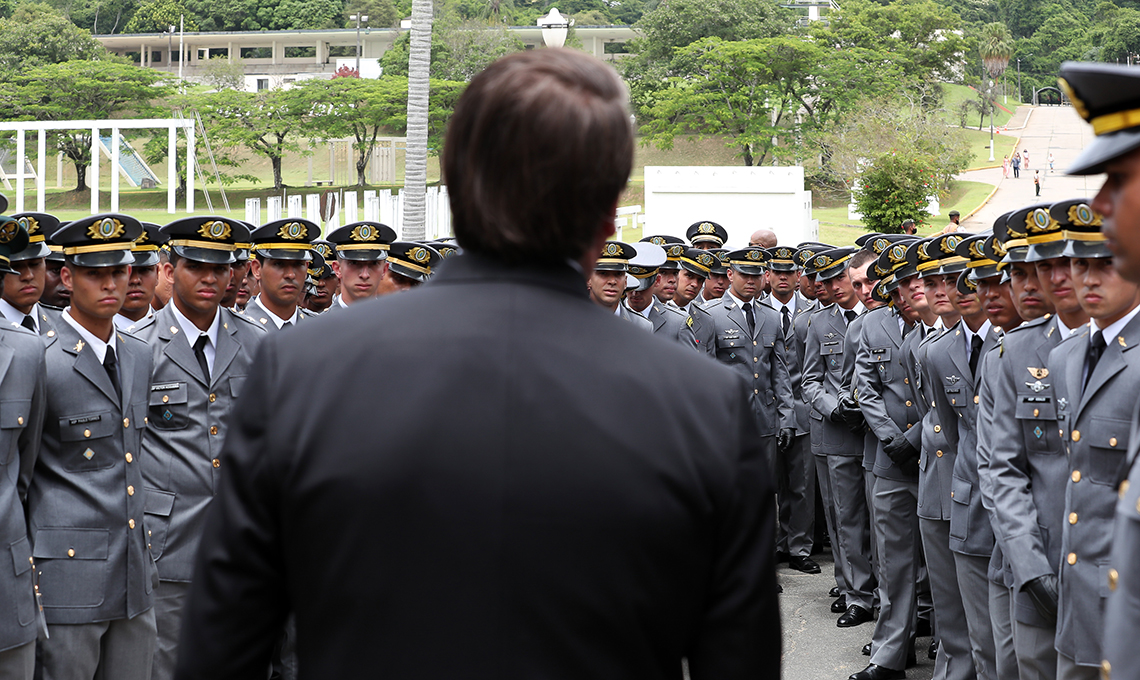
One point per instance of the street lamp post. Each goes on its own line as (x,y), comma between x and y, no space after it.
(358,18)
(555,27)
(170,47)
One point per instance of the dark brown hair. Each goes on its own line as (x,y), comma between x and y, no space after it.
(537,152)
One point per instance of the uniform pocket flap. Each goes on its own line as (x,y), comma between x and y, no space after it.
(168,393)
(21,555)
(1035,408)
(87,426)
(835,347)
(235,385)
(76,544)
(1108,433)
(880,355)
(14,413)
(767,339)
(960,491)
(159,502)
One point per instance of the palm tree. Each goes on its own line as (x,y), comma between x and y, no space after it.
(415,160)
(996,48)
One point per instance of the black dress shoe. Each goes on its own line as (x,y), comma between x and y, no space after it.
(840,605)
(867,649)
(933,651)
(874,672)
(854,616)
(834,592)
(781,557)
(805,564)
(911,657)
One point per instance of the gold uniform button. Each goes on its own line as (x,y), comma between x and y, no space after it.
(71,552)
(1076,476)
(1072,558)
(951,494)
(131,523)
(217,463)
(906,381)
(1123,488)
(87,433)
(1036,413)
(976,398)
(755,375)
(1076,435)
(754,360)
(126,422)
(213,398)
(31,560)
(937,428)
(953,402)
(908,402)
(165,398)
(20,420)
(1112,441)
(1113,575)
(213,429)
(130,490)
(1072,518)
(753,343)
(908,425)
(130,458)
(756,391)
(939,454)
(51,334)
(1106,670)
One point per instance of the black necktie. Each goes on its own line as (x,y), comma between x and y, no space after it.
(975,353)
(1096,348)
(29,323)
(112,368)
(850,314)
(786,319)
(749,317)
(200,355)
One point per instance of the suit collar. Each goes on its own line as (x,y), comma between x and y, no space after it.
(470,267)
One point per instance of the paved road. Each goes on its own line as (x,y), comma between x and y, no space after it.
(814,648)
(1056,129)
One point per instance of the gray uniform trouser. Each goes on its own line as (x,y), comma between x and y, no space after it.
(895,504)
(169,600)
(974,585)
(1067,669)
(853,525)
(18,663)
(823,476)
(1002,606)
(795,476)
(1036,651)
(949,613)
(122,649)
(869,490)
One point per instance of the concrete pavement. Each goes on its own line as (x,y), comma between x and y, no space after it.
(1049,129)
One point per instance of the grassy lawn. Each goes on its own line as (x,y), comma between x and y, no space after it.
(954,95)
(980,146)
(837,229)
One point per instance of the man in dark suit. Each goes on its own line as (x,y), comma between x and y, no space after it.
(536,535)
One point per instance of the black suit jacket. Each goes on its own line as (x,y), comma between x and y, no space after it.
(488,477)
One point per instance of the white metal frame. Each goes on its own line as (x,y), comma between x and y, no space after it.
(171,124)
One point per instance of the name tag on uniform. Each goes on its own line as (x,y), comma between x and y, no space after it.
(84,419)
(164,386)
(1035,400)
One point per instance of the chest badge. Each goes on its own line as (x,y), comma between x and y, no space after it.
(1037,386)
(1038,373)
(953,379)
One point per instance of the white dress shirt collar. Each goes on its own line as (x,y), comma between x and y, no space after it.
(278,321)
(17,317)
(96,345)
(1114,329)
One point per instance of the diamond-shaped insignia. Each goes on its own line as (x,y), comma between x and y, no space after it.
(167,415)
(1038,432)
(88,454)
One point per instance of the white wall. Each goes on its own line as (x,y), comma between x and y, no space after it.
(740,199)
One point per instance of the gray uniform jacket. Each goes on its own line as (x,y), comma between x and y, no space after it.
(183,443)
(971,531)
(256,313)
(1122,616)
(1097,426)
(22,403)
(86,499)
(794,344)
(851,343)
(758,356)
(823,382)
(887,401)
(1026,469)
(634,318)
(672,323)
(941,358)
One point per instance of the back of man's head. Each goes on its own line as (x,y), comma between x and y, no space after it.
(537,152)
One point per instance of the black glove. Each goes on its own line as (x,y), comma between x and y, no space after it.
(1043,591)
(784,439)
(852,414)
(836,415)
(902,453)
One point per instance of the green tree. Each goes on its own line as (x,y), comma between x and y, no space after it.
(36,35)
(81,90)
(266,123)
(458,51)
(681,22)
(157,16)
(380,13)
(268,15)
(894,188)
(221,73)
(996,48)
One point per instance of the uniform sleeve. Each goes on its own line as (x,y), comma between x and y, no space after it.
(813,377)
(238,600)
(739,634)
(28,443)
(870,386)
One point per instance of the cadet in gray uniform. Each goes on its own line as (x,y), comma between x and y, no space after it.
(22,290)
(144,278)
(1096,375)
(410,264)
(822,387)
(201,355)
(359,260)
(1098,91)
(666,284)
(748,339)
(281,252)
(86,502)
(22,385)
(706,235)
(717,282)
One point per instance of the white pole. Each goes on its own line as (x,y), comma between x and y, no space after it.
(95,171)
(41,181)
(172,167)
(114,170)
(20,171)
(59,170)
(190,163)
(181,52)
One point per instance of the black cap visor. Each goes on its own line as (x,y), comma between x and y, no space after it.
(369,255)
(105,258)
(207,255)
(32,252)
(301,255)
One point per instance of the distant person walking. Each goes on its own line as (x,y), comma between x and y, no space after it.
(1005,167)
(1025,159)
(1037,182)
(1050,161)
(1016,165)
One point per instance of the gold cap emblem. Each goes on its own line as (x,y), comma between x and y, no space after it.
(215,229)
(292,231)
(105,229)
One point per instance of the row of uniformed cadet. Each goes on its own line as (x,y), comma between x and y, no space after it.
(113,418)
